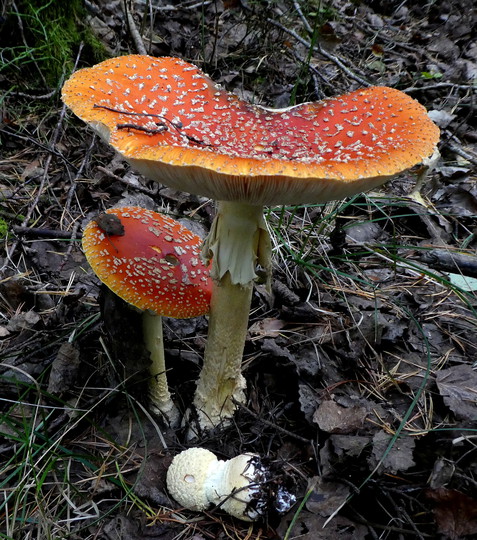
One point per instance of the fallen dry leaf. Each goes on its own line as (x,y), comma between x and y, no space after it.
(308,400)
(458,387)
(23,321)
(269,327)
(399,458)
(311,526)
(442,473)
(64,369)
(334,418)
(326,496)
(455,513)
(349,445)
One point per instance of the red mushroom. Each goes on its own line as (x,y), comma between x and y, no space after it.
(173,124)
(152,262)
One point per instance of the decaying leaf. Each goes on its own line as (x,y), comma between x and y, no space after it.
(272,347)
(64,369)
(442,473)
(311,526)
(334,418)
(441,117)
(151,482)
(455,513)
(269,327)
(130,527)
(326,496)
(4,332)
(309,401)
(399,458)
(23,321)
(307,361)
(366,231)
(349,445)
(458,387)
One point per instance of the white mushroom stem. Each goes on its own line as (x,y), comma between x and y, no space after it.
(238,241)
(159,395)
(197,480)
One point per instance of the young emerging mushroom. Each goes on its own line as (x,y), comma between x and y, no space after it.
(243,486)
(152,262)
(173,124)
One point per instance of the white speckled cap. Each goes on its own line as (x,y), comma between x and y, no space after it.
(176,126)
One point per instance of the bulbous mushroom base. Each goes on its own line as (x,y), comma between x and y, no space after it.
(165,410)
(243,486)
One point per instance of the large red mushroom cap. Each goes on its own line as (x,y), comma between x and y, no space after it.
(175,125)
(152,261)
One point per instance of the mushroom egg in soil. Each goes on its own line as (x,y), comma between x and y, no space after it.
(245,486)
(176,126)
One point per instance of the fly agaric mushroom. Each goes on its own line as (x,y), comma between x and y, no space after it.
(152,262)
(174,125)
(243,486)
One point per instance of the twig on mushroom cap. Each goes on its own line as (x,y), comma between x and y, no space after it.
(152,262)
(176,126)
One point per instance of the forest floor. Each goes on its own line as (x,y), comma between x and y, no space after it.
(361,365)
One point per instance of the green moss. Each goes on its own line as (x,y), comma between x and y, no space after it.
(3,228)
(41,39)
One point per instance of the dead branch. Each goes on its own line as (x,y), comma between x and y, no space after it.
(449,260)
(138,42)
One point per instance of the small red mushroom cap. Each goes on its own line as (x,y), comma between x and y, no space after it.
(152,261)
(175,125)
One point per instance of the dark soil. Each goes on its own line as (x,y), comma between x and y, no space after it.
(361,363)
